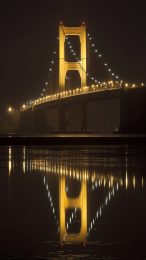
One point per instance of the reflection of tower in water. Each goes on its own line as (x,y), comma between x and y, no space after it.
(76,203)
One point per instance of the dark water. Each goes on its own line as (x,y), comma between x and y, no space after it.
(73,202)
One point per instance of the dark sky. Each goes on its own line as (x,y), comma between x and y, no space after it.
(29,29)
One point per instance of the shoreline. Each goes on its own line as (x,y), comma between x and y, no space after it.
(74,139)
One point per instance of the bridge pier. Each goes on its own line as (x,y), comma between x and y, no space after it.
(67,117)
(40,121)
(133,111)
(26,121)
(61,117)
(83,117)
(99,112)
(104,112)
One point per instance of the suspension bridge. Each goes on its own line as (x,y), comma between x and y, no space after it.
(101,106)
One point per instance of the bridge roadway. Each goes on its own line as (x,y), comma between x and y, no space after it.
(94,110)
(72,93)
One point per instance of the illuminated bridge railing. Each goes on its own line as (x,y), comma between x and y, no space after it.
(110,85)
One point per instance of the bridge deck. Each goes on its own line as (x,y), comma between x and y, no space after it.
(110,86)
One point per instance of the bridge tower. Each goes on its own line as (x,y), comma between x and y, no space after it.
(65,66)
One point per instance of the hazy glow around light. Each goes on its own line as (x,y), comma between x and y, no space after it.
(10,109)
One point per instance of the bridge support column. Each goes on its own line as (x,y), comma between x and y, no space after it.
(40,121)
(26,121)
(83,116)
(61,117)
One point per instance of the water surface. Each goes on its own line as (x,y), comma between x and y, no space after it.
(73,202)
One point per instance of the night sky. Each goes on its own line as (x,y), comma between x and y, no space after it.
(29,30)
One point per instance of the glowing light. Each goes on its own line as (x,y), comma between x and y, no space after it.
(126,181)
(10,109)
(134,182)
(142,182)
(23,106)
(10,160)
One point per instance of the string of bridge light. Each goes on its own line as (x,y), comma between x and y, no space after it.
(98,212)
(94,80)
(108,183)
(73,215)
(51,65)
(51,201)
(95,179)
(100,209)
(100,56)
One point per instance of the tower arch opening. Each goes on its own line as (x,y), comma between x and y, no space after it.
(72,48)
(72,80)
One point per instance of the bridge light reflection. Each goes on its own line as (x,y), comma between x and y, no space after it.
(10,160)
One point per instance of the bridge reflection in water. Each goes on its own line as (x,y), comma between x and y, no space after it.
(86,183)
